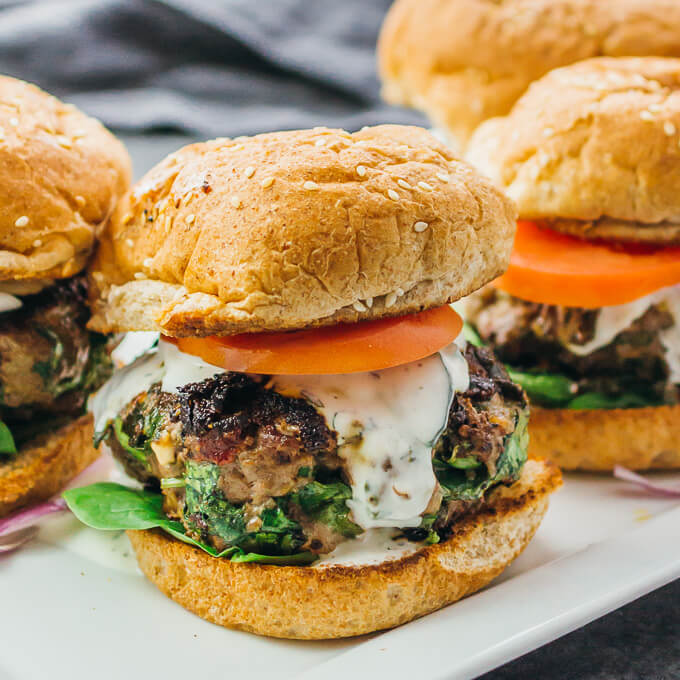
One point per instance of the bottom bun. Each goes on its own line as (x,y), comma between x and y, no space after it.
(44,467)
(637,438)
(341,601)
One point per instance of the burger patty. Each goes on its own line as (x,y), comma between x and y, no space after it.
(532,337)
(240,464)
(49,361)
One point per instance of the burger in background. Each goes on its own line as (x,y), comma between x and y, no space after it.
(61,174)
(588,315)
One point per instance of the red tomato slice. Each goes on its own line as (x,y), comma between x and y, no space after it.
(344,348)
(555,269)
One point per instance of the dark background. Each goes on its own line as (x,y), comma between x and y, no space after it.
(164,73)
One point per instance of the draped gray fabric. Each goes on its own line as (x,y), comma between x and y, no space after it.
(205,67)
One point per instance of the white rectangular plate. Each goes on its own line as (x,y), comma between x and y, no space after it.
(67,615)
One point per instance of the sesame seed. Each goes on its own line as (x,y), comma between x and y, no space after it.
(320,142)
(669,128)
(654,108)
(37,243)
(310,185)
(191,219)
(369,302)
(80,201)
(250,171)
(404,184)
(2,133)
(21,222)
(425,186)
(443,176)
(390,299)
(235,201)
(266,183)
(361,171)
(420,226)
(361,142)
(393,194)
(14,122)
(646,115)
(130,243)
(140,275)
(64,141)
(399,291)
(147,262)
(359,306)
(548,132)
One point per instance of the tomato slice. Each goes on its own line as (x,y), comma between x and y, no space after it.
(344,348)
(555,269)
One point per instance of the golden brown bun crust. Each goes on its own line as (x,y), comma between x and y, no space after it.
(293,229)
(61,174)
(341,601)
(42,469)
(595,141)
(463,61)
(637,438)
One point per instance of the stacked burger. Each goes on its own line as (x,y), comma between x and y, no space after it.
(322,454)
(62,174)
(588,315)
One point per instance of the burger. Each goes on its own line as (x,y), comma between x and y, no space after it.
(320,456)
(61,174)
(588,315)
(464,61)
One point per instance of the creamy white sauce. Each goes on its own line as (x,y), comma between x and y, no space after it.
(374,546)
(387,421)
(613,320)
(9,302)
(132,346)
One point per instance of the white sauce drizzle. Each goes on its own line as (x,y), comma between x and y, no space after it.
(9,302)
(613,320)
(387,421)
(374,546)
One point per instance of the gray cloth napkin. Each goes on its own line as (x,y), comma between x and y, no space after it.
(205,67)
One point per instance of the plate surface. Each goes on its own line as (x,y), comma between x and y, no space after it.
(74,601)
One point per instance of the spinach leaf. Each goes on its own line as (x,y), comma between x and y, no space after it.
(110,506)
(471,484)
(124,441)
(545,388)
(327,503)
(595,400)
(471,335)
(7,445)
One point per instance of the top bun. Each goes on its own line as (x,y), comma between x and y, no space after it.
(61,174)
(294,229)
(594,148)
(463,61)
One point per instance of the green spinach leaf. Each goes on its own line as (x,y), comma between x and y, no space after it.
(110,506)
(7,445)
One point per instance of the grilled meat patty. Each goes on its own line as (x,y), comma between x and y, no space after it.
(240,464)
(532,337)
(49,361)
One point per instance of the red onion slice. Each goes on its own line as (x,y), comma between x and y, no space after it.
(656,488)
(16,539)
(27,518)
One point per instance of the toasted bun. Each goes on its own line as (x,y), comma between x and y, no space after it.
(61,174)
(293,229)
(340,601)
(463,61)
(44,467)
(595,143)
(637,438)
